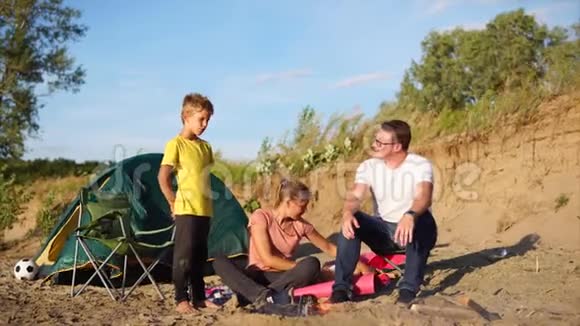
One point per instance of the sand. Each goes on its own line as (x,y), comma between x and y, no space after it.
(510,287)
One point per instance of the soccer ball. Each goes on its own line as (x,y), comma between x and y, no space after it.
(25,269)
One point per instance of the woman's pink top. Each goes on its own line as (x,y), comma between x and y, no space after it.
(284,239)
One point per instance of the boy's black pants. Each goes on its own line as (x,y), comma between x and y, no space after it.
(190,256)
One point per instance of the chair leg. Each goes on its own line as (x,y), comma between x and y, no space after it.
(146,273)
(394,265)
(140,279)
(103,264)
(124,276)
(399,269)
(72,288)
(98,271)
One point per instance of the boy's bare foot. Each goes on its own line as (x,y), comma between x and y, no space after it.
(206,304)
(184,307)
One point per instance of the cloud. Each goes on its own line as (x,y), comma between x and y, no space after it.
(360,79)
(473,26)
(438,6)
(545,14)
(283,75)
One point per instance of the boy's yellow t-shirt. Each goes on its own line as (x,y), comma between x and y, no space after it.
(191,161)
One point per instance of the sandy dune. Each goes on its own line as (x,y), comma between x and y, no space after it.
(497,192)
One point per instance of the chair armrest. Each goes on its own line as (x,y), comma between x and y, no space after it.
(150,232)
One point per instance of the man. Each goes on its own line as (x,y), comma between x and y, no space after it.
(401,184)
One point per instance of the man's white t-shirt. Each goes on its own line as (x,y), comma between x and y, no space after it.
(394,189)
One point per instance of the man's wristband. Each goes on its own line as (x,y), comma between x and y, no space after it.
(412,213)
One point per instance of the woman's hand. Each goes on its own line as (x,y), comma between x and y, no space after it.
(362,268)
(326,274)
(259,232)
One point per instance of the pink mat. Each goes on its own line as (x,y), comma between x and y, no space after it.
(373,260)
(365,284)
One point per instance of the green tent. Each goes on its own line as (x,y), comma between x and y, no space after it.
(137,176)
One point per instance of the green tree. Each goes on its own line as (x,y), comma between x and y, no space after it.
(459,67)
(34,61)
(563,62)
(515,49)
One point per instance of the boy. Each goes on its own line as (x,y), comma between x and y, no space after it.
(190,158)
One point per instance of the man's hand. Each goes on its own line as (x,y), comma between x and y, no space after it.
(404,232)
(349,223)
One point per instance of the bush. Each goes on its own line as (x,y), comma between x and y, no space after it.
(251,205)
(12,198)
(48,215)
(234,172)
(28,171)
(313,144)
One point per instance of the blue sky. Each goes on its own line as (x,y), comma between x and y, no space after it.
(260,62)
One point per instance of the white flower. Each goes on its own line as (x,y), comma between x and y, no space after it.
(347,143)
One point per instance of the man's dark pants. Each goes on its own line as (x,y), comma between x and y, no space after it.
(378,235)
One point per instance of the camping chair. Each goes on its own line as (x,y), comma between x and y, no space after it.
(394,259)
(110,225)
(386,262)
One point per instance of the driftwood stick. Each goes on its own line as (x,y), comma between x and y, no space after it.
(452,312)
(467,302)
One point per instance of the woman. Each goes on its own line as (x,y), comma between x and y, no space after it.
(274,236)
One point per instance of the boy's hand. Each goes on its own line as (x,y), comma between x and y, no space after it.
(171,204)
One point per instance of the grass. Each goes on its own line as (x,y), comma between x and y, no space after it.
(561,201)
(234,172)
(517,107)
(303,149)
(47,217)
(54,196)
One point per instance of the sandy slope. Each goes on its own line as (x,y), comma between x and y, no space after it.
(64,190)
(493,193)
(510,287)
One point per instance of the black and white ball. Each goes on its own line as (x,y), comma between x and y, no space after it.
(25,269)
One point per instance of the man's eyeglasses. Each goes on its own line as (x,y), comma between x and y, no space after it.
(381,144)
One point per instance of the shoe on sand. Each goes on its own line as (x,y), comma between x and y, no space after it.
(339,296)
(406,296)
